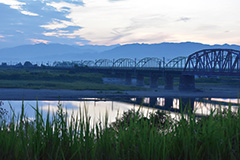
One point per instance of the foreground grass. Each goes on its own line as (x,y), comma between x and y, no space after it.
(131,137)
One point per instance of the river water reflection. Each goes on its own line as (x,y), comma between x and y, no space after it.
(97,108)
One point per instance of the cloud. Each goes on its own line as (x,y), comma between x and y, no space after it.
(79,43)
(62,6)
(103,22)
(18,6)
(115,0)
(14,4)
(131,21)
(58,24)
(37,41)
(29,13)
(184,19)
(118,21)
(31,19)
(77,2)
(60,34)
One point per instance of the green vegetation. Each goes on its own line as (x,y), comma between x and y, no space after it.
(219,81)
(231,81)
(160,81)
(134,136)
(41,78)
(64,78)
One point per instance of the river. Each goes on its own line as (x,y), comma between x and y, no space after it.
(97,108)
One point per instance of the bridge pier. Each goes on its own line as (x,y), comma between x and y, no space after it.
(168,82)
(128,78)
(140,80)
(154,81)
(187,83)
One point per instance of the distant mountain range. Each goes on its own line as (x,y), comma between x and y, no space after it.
(60,52)
(167,50)
(51,52)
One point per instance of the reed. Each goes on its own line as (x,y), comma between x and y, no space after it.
(133,136)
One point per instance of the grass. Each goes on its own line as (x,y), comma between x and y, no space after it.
(134,136)
(230,81)
(41,78)
(234,81)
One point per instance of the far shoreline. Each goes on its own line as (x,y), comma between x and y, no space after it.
(209,91)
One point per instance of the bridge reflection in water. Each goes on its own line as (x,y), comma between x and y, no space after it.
(98,108)
(200,106)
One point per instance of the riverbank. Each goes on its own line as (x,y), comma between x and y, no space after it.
(64,94)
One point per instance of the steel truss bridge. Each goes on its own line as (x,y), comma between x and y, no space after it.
(207,62)
(148,62)
(217,62)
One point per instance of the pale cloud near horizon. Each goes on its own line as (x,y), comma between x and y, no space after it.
(58,24)
(37,41)
(153,21)
(107,22)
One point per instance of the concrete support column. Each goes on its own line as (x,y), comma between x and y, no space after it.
(168,102)
(140,80)
(168,82)
(187,83)
(128,79)
(154,81)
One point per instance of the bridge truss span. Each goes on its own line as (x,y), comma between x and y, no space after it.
(213,62)
(103,63)
(178,62)
(88,63)
(150,62)
(124,62)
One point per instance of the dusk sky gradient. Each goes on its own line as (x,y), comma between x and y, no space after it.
(108,22)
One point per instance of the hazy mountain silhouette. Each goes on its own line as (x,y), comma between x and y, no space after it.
(167,50)
(60,52)
(51,52)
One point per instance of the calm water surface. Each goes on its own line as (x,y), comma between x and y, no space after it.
(98,108)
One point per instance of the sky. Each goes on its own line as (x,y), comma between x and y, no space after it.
(109,22)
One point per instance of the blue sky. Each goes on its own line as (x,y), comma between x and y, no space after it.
(108,22)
